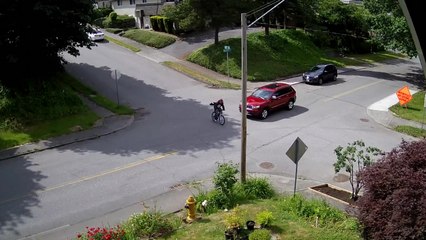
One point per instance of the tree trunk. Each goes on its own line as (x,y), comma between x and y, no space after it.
(266,22)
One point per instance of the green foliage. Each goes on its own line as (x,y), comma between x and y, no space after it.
(257,188)
(224,180)
(44,101)
(235,218)
(161,26)
(150,38)
(265,218)
(353,159)
(168,25)
(100,13)
(155,23)
(147,225)
(119,21)
(183,15)
(282,53)
(389,26)
(260,234)
(46,30)
(312,209)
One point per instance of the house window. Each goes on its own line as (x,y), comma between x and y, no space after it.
(132,2)
(119,2)
(143,1)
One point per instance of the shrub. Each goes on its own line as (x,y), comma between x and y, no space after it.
(150,38)
(260,234)
(97,233)
(160,21)
(119,21)
(235,218)
(147,224)
(354,158)
(257,188)
(224,181)
(265,218)
(154,23)
(393,203)
(168,25)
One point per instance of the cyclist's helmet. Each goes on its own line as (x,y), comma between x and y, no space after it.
(220,102)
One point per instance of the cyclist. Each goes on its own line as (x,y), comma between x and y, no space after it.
(219,106)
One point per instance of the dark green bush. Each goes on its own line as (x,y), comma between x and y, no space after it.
(100,13)
(168,25)
(40,101)
(99,22)
(154,23)
(119,21)
(161,26)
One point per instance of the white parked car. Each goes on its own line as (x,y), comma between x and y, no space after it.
(95,34)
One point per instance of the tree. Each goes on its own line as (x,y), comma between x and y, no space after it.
(184,16)
(219,13)
(354,158)
(394,202)
(34,33)
(389,26)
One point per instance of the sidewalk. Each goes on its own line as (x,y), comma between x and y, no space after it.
(174,200)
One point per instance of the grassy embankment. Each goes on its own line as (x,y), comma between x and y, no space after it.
(50,110)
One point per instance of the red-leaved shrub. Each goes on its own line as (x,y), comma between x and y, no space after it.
(393,205)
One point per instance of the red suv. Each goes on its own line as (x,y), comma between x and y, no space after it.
(269,98)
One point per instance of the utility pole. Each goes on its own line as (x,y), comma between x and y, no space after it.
(244,83)
(243,95)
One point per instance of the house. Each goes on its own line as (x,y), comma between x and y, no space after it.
(141,10)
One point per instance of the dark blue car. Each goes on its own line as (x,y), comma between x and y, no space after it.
(320,73)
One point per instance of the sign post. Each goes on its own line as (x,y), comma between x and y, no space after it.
(115,74)
(227,50)
(295,152)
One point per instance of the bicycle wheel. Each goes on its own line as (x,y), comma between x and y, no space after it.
(221,119)
(214,117)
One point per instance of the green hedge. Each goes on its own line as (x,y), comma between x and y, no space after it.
(168,24)
(119,21)
(154,23)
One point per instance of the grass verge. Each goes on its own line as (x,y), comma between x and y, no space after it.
(50,110)
(125,45)
(412,131)
(200,77)
(414,110)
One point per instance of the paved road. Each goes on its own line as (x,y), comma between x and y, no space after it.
(173,140)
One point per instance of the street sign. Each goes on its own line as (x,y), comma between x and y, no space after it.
(404,95)
(296,151)
(227,49)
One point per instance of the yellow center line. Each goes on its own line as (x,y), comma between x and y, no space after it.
(87,178)
(352,91)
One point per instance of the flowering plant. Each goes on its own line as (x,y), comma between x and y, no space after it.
(97,233)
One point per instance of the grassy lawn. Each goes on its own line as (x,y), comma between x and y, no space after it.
(283,53)
(50,111)
(287,224)
(414,111)
(150,38)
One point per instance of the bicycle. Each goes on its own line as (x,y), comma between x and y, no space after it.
(217,115)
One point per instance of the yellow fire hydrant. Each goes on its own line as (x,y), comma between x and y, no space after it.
(190,206)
